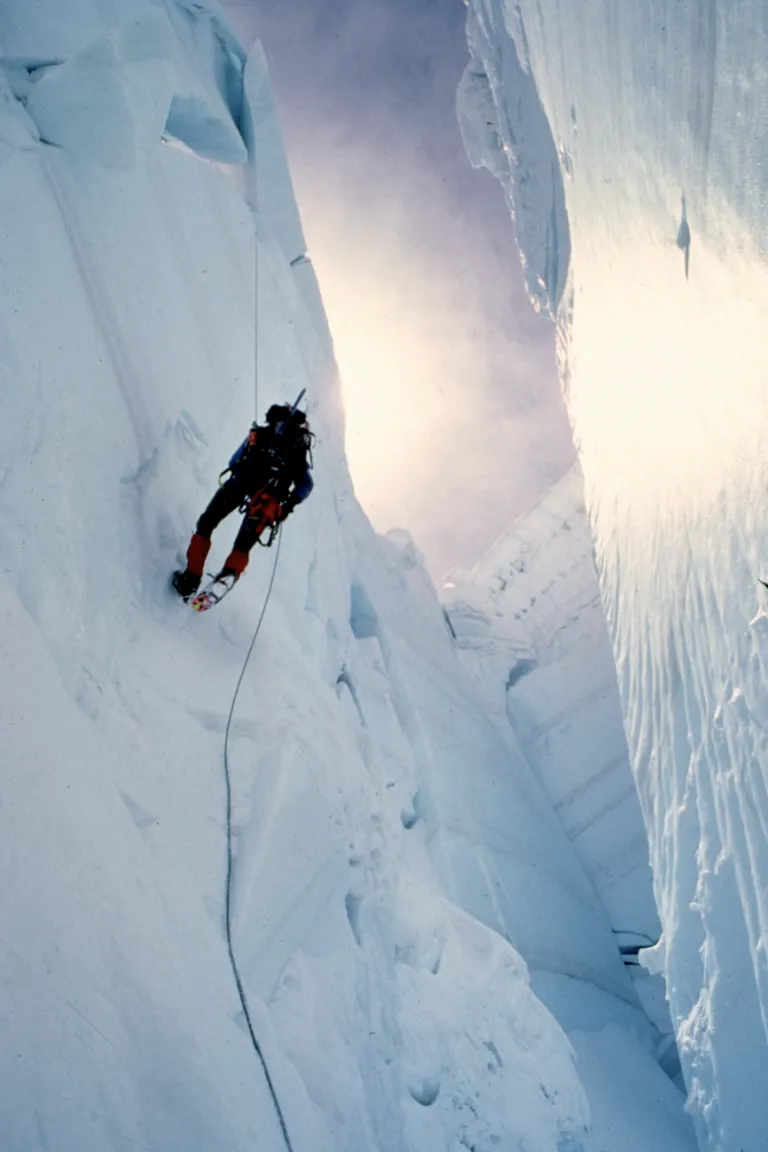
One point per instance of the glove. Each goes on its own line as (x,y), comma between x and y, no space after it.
(285,510)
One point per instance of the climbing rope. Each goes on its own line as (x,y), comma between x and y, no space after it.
(255,213)
(254,206)
(228,916)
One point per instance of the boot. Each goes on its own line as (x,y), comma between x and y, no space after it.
(185,583)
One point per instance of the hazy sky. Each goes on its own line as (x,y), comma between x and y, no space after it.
(454,419)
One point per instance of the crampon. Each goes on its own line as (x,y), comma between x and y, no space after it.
(214,591)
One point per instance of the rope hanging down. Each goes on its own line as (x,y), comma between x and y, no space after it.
(255,309)
(254,206)
(228,916)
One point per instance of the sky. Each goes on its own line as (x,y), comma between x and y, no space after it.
(455,422)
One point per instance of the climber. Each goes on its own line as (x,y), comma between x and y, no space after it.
(269,475)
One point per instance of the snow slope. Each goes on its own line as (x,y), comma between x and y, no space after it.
(395,862)
(656,121)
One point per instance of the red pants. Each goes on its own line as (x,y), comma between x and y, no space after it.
(264,511)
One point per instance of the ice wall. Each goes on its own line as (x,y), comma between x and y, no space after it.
(657,116)
(528,618)
(529,624)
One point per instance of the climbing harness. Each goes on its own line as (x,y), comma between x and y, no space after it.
(264,511)
(228,906)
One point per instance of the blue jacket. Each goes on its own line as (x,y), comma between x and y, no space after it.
(284,465)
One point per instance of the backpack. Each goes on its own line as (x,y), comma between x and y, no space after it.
(290,430)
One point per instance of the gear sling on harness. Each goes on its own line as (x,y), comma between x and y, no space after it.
(264,511)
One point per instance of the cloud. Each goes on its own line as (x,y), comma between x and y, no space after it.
(454,418)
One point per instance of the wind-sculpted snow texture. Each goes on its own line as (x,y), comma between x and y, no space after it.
(529,620)
(529,623)
(658,114)
(395,860)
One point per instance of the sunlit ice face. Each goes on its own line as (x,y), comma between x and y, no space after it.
(667,391)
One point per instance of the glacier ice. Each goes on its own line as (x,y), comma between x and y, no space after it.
(82,105)
(657,113)
(505,129)
(529,621)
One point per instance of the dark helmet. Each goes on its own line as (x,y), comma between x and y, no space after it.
(277,412)
(282,414)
